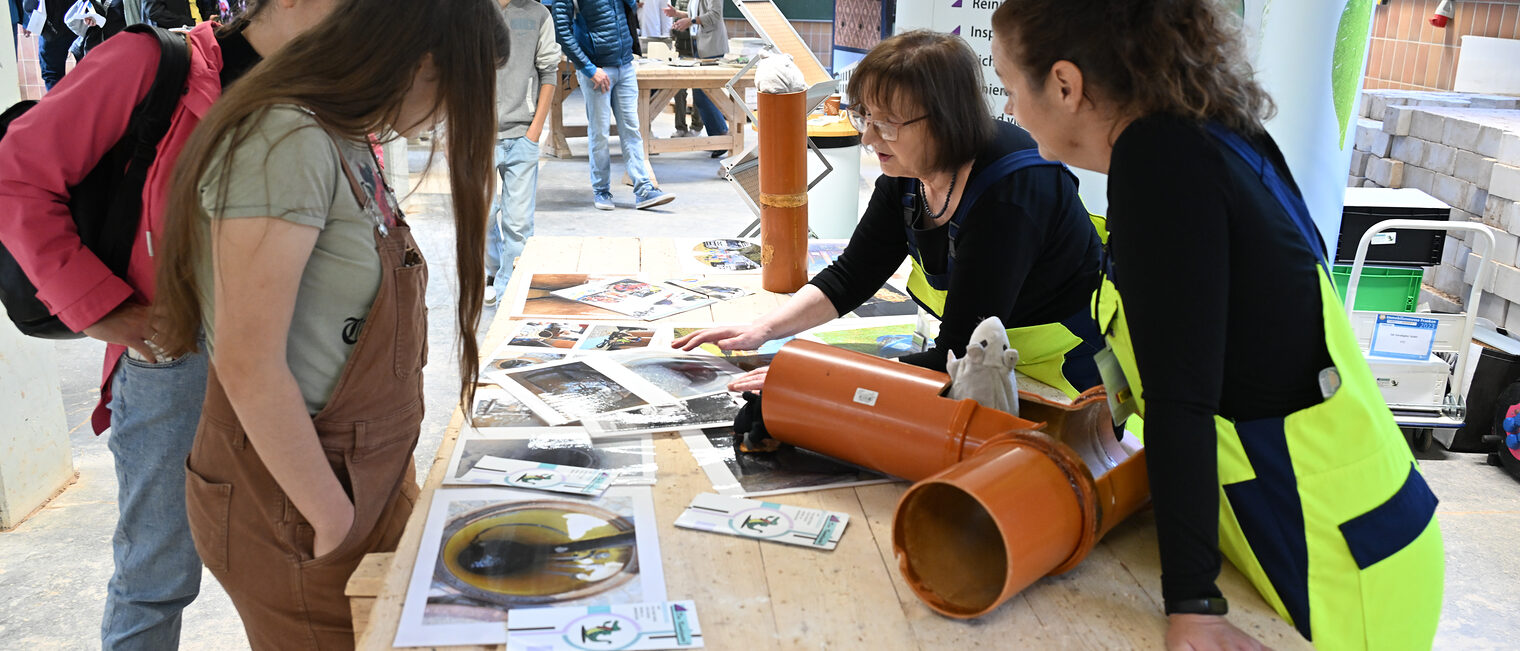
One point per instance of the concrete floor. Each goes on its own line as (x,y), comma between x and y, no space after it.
(54,567)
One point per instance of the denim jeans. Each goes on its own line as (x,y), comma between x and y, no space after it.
(711,116)
(154,412)
(623,102)
(512,210)
(53,55)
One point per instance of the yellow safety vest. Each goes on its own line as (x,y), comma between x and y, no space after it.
(1324,510)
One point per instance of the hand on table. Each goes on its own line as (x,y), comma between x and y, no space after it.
(1207,633)
(600,81)
(745,337)
(131,325)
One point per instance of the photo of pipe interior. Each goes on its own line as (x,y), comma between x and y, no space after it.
(999,501)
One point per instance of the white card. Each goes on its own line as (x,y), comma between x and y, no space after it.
(539,476)
(667,625)
(1403,337)
(736,516)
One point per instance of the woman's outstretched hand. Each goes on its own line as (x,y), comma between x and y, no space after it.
(745,337)
(1207,633)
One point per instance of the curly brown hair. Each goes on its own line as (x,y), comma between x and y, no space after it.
(1182,57)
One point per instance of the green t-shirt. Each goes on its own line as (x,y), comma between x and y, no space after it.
(288,168)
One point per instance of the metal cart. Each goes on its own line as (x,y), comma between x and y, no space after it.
(1453,335)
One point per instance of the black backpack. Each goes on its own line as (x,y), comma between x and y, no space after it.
(107,204)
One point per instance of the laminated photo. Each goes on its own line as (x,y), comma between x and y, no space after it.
(565,392)
(753,474)
(487,550)
(636,298)
(630,457)
(547,334)
(495,407)
(611,337)
(712,410)
(679,373)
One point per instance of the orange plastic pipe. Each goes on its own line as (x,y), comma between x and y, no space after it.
(783,191)
(1002,500)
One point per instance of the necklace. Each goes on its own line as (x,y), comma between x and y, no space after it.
(924,193)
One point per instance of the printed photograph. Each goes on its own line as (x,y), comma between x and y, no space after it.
(717,409)
(494,407)
(678,373)
(506,360)
(616,337)
(574,390)
(788,470)
(888,301)
(631,457)
(543,334)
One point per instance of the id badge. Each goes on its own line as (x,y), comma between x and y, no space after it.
(1121,399)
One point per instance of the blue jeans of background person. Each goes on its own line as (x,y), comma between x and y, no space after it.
(711,116)
(512,210)
(623,103)
(154,412)
(53,55)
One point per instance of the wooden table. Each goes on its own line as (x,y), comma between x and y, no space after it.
(665,80)
(752,595)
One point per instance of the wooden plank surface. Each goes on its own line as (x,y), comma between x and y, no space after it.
(757,596)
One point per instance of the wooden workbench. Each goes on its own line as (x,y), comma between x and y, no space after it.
(754,596)
(665,80)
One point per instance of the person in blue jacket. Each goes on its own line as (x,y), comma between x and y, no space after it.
(596,37)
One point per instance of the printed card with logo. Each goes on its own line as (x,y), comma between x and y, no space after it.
(764,520)
(664,625)
(539,476)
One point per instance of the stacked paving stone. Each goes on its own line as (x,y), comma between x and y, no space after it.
(1463,149)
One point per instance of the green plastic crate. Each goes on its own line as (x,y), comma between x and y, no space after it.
(1383,289)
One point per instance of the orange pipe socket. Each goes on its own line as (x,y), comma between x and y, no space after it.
(1000,502)
(783,191)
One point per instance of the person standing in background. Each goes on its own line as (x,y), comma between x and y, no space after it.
(654,25)
(705,20)
(684,48)
(596,38)
(524,92)
(53,41)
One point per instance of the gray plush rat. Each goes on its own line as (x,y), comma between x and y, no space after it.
(985,373)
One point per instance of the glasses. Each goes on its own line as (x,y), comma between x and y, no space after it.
(887,130)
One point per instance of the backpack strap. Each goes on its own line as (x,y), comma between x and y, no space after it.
(150,120)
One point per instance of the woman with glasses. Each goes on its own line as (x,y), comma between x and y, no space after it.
(991,228)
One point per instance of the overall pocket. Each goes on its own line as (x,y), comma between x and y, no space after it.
(411,315)
(208,506)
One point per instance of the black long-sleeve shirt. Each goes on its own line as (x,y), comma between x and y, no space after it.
(1221,295)
(1026,251)
(176,13)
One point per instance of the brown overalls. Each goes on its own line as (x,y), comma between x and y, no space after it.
(248,532)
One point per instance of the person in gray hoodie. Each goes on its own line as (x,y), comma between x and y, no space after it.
(524,91)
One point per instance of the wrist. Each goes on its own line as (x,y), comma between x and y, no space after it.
(1197,606)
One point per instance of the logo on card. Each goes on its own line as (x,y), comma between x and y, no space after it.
(761,523)
(603,631)
(537,478)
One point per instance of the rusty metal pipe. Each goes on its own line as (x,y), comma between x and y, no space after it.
(1000,500)
(783,191)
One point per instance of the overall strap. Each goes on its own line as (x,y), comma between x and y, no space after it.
(1291,201)
(996,172)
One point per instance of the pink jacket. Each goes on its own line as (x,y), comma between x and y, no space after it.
(53,146)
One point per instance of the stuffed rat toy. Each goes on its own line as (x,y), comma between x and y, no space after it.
(985,373)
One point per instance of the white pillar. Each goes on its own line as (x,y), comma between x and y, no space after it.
(1310,56)
(35,459)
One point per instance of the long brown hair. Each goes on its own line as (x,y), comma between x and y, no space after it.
(937,75)
(1181,57)
(352,71)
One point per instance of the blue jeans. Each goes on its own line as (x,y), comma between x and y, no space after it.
(623,102)
(53,55)
(154,412)
(711,116)
(512,210)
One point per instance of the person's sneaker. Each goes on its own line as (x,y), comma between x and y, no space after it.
(602,200)
(688,133)
(651,198)
(490,296)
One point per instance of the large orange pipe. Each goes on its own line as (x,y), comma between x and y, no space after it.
(1000,500)
(783,191)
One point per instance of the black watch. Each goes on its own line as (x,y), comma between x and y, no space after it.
(1204,606)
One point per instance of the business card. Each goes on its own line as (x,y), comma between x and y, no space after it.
(663,625)
(737,516)
(518,473)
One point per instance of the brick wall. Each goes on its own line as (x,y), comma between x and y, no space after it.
(1408,53)
(818,34)
(27,68)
